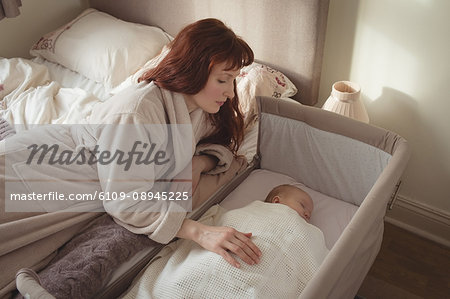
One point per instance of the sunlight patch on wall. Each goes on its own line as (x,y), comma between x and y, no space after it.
(380,62)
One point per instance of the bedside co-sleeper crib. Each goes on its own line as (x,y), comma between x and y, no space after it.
(345,159)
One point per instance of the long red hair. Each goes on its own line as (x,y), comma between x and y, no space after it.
(186,68)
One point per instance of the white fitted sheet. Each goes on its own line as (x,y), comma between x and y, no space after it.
(331,215)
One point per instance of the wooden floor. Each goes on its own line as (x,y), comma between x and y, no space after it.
(408,266)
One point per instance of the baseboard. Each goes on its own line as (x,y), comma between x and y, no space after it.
(420,219)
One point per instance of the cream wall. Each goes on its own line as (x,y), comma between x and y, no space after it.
(37,17)
(399,52)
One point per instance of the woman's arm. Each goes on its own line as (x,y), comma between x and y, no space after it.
(223,155)
(201,164)
(204,162)
(221,240)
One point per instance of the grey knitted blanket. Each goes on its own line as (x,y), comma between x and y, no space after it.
(86,263)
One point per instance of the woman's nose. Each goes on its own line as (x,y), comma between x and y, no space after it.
(229,92)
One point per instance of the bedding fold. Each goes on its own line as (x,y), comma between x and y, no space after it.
(29,97)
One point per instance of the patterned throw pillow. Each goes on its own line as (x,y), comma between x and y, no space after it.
(260,80)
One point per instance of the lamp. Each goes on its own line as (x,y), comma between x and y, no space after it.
(345,100)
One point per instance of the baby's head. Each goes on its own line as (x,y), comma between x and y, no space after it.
(293,197)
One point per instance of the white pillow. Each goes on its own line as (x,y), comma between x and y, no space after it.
(133,79)
(101,47)
(260,80)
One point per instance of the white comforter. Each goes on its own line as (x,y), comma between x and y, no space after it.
(292,252)
(28,96)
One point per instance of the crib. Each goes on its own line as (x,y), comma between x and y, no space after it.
(327,168)
(349,168)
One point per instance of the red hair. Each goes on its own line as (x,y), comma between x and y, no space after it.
(187,66)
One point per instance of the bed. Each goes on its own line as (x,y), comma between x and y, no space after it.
(350,169)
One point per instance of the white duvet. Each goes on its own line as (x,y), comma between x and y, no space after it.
(28,96)
(292,252)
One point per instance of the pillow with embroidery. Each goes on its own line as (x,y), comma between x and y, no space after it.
(101,47)
(260,80)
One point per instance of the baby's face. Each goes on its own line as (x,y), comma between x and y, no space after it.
(299,201)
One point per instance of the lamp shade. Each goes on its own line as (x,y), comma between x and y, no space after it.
(345,100)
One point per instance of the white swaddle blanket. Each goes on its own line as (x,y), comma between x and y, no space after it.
(292,251)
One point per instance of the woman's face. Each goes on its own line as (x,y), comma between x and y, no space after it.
(218,88)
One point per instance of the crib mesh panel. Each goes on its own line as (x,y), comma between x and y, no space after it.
(330,163)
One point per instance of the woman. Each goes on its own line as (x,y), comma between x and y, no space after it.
(194,85)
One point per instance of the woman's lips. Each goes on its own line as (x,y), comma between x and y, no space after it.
(220,103)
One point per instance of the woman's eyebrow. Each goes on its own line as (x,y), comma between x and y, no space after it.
(227,74)
(229,71)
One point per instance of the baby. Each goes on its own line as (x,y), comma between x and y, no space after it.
(293,197)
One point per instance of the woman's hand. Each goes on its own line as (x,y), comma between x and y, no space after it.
(223,241)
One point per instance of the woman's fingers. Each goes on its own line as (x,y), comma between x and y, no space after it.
(241,245)
(243,251)
(232,261)
(226,241)
(253,250)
